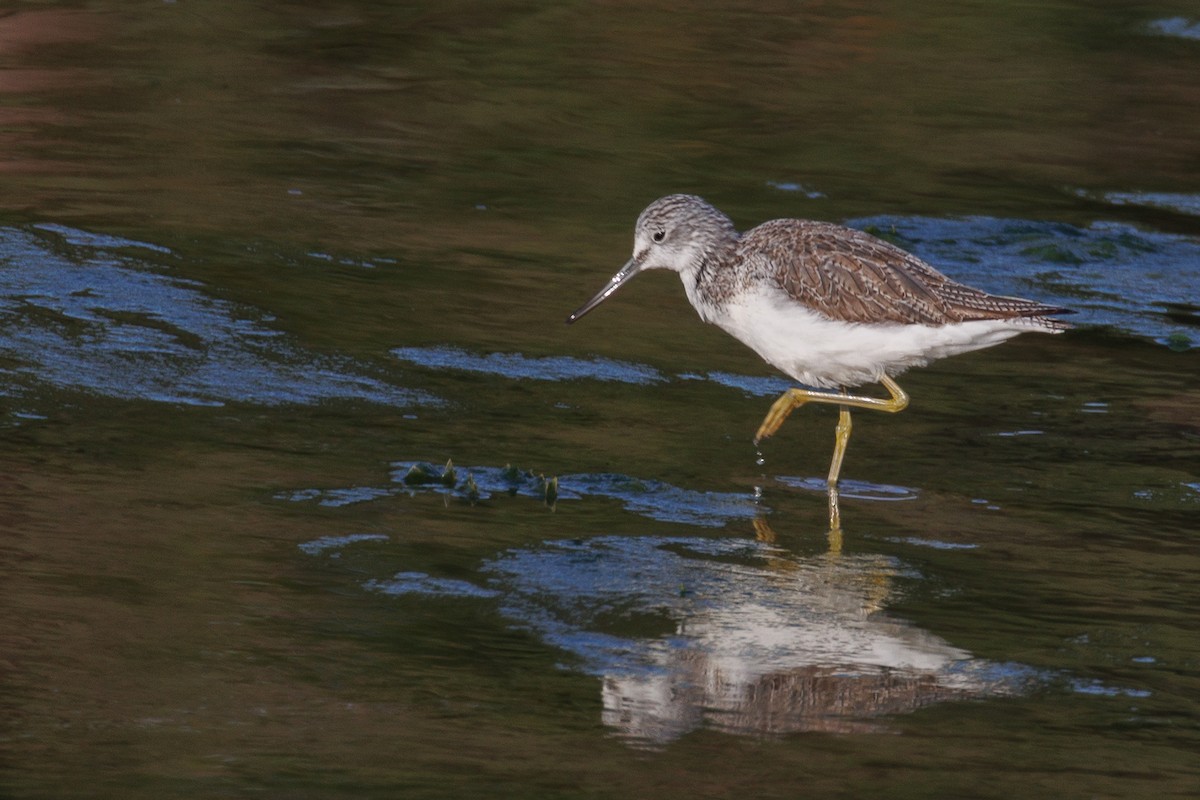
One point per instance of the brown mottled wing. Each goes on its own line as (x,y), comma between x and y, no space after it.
(852,276)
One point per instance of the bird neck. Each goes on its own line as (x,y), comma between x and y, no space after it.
(708,281)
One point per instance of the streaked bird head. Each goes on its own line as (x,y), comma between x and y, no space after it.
(676,232)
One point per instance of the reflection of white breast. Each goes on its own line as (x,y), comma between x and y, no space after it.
(816,636)
(751,639)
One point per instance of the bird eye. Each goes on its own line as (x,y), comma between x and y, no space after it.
(658,235)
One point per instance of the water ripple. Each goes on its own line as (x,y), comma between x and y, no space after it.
(1176,26)
(1171,201)
(516,365)
(90,312)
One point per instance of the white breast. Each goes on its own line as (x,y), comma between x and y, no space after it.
(820,352)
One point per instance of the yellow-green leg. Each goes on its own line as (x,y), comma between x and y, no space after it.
(840,440)
(792,399)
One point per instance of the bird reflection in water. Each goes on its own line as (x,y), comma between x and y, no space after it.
(738,635)
(809,649)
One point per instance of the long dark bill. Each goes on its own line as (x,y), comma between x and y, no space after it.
(631,268)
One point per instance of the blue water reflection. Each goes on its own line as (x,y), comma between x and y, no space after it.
(101,314)
(515,365)
(1177,26)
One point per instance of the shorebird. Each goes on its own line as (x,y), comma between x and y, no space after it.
(829,306)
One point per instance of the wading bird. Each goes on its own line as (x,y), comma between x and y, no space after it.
(830,306)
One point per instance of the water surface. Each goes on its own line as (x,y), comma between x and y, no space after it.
(307,491)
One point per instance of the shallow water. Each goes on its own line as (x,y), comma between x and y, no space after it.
(307,491)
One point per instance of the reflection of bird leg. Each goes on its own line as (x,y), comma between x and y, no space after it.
(835,521)
(869,575)
(763,531)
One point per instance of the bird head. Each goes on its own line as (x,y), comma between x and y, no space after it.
(677,232)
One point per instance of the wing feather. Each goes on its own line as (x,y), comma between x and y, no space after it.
(851,276)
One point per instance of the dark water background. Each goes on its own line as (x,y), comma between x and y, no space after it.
(266,268)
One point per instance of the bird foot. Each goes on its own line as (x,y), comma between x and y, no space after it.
(788,402)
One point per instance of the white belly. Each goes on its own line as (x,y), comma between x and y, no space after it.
(820,352)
